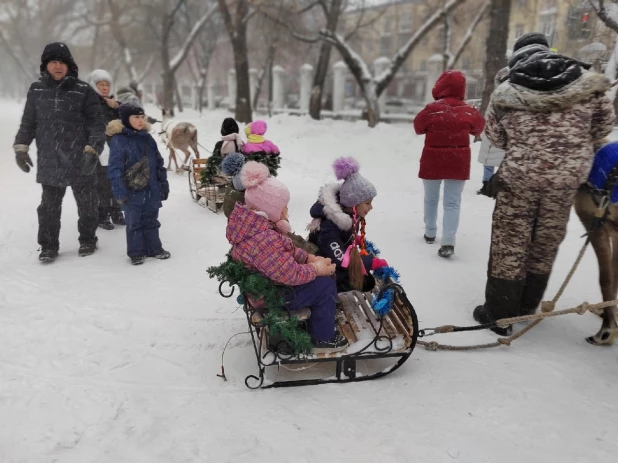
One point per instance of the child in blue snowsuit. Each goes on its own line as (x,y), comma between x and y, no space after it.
(129,144)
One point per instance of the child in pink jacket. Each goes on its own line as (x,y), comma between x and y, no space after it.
(257,232)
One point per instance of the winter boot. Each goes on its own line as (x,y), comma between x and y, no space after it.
(106,223)
(483,190)
(534,288)
(87,249)
(429,240)
(502,299)
(47,256)
(338,342)
(138,260)
(117,217)
(446,251)
(163,255)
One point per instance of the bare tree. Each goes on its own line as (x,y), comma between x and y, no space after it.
(373,86)
(236,26)
(170,64)
(451,58)
(608,13)
(499,14)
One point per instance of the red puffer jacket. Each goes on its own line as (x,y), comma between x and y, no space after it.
(447,124)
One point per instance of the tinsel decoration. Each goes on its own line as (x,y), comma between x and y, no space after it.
(383,305)
(249,282)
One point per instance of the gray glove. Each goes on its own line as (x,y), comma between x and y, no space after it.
(90,163)
(23,160)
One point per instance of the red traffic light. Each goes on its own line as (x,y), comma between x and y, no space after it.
(585,17)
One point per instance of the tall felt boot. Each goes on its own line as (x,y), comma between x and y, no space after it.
(502,299)
(534,289)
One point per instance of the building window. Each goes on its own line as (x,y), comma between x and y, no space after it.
(405,22)
(546,24)
(386,45)
(519,31)
(387,27)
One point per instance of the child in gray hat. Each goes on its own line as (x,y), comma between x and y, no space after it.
(338,217)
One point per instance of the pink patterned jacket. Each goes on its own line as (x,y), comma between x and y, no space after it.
(261,247)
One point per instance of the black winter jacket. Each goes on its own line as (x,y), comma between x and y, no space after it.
(64,117)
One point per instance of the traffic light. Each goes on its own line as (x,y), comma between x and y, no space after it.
(585,25)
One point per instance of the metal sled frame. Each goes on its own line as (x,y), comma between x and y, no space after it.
(401,322)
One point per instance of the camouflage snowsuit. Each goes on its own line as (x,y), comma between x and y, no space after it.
(548,138)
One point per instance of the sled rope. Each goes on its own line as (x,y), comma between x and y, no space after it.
(547,311)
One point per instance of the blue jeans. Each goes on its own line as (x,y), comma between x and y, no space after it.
(451,202)
(488,171)
(142,231)
(320,295)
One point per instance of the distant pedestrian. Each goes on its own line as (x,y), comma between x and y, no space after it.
(447,124)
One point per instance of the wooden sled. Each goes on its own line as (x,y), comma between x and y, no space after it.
(370,337)
(206,195)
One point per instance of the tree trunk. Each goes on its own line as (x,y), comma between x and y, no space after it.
(178,97)
(270,60)
(373,106)
(243,87)
(321,72)
(499,15)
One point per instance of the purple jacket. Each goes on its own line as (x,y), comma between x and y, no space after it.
(261,247)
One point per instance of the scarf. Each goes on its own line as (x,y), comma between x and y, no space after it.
(252,138)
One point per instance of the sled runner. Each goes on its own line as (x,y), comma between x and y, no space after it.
(212,194)
(391,337)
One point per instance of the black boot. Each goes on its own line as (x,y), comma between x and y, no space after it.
(502,299)
(532,295)
(117,217)
(483,190)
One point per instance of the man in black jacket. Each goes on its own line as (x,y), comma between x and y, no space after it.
(64,116)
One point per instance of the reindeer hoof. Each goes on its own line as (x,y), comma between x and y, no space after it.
(169,169)
(605,337)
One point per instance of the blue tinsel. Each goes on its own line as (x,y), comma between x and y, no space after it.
(383,305)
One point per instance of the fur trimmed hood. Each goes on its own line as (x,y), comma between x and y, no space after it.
(115,127)
(328,207)
(511,96)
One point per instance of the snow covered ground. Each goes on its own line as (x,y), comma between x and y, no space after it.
(104,362)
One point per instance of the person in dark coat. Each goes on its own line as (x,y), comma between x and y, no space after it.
(63,115)
(110,213)
(338,216)
(447,124)
(129,144)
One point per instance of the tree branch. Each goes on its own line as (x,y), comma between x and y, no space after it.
(177,60)
(402,55)
(170,17)
(227,18)
(466,39)
(609,19)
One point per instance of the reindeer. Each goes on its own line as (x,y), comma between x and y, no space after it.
(178,135)
(604,240)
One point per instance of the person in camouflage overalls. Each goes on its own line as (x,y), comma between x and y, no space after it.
(546,117)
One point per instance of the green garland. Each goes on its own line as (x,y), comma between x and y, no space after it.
(253,283)
(272,162)
(213,164)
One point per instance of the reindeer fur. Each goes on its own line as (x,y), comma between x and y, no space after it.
(178,136)
(604,241)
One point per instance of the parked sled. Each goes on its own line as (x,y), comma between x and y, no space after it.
(370,337)
(212,194)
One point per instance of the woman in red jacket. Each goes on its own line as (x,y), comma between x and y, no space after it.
(447,124)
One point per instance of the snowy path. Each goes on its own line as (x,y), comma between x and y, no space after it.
(104,362)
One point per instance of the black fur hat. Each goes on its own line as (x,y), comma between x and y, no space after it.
(531,38)
(229,126)
(58,51)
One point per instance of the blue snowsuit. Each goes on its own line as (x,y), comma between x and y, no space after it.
(141,208)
